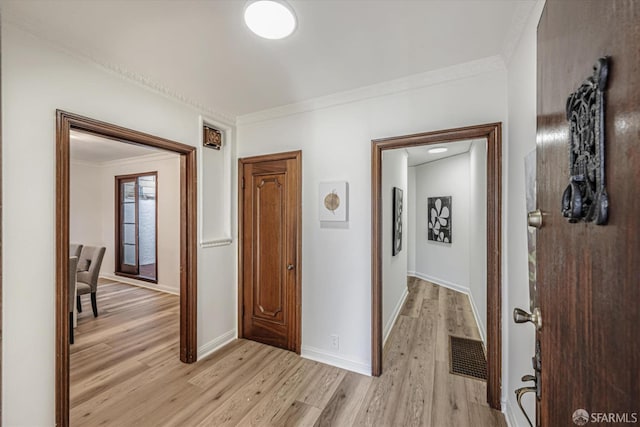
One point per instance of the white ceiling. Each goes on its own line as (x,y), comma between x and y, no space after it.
(420,155)
(202,51)
(87,147)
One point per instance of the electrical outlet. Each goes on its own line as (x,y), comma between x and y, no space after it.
(335,342)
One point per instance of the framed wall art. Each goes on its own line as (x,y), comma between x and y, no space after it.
(439,219)
(397,221)
(333,203)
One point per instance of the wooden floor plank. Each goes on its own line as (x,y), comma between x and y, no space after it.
(283,395)
(245,399)
(343,407)
(298,414)
(450,407)
(413,303)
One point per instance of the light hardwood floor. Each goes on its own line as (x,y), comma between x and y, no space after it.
(125,372)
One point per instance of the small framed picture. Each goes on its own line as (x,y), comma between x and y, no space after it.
(397,221)
(333,203)
(439,218)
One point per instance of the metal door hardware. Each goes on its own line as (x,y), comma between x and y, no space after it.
(290,267)
(534,218)
(521,316)
(536,387)
(524,390)
(585,198)
(537,368)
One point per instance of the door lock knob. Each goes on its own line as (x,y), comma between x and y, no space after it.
(290,267)
(521,316)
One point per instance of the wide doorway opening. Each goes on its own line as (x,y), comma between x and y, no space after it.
(491,133)
(185,191)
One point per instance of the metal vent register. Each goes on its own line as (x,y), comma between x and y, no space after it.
(467,358)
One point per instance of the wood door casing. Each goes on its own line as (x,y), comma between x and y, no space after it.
(588,274)
(65,122)
(492,132)
(269,254)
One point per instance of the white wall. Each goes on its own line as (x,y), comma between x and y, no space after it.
(394,268)
(443,263)
(336,144)
(100,178)
(85,207)
(519,340)
(37,79)
(411,219)
(478,233)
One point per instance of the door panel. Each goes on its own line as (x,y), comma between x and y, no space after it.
(588,274)
(129,226)
(269,287)
(270,194)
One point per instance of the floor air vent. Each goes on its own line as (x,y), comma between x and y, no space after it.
(467,358)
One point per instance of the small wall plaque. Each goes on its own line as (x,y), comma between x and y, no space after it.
(212,138)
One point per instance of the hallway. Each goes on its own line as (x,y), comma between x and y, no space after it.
(416,387)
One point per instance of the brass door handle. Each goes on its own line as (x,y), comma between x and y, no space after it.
(521,392)
(521,316)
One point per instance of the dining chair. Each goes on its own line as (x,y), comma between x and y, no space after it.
(88,272)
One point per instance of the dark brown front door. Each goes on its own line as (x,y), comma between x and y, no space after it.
(588,274)
(270,196)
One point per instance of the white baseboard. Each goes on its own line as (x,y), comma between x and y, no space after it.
(392,320)
(458,288)
(217,343)
(476,315)
(333,359)
(140,283)
(440,282)
(508,414)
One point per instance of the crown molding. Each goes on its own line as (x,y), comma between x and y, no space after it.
(391,87)
(117,69)
(516,28)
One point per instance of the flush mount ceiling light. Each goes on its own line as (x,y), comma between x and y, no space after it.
(270,19)
(437,150)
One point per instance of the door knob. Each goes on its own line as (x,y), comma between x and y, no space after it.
(521,316)
(534,218)
(290,267)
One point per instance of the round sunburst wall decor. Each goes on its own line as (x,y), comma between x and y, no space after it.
(332,201)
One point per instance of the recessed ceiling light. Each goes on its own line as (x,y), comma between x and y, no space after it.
(437,150)
(271,19)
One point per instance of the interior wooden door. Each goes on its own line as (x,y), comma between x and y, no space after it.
(270,195)
(588,274)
